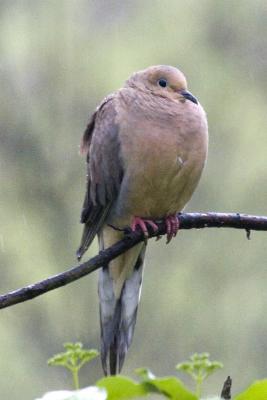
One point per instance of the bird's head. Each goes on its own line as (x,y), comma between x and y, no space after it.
(164,81)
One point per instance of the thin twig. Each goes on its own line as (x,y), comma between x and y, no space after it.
(226,390)
(187,221)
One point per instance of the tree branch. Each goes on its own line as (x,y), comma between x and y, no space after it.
(187,221)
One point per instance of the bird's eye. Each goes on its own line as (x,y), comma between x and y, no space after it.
(162,82)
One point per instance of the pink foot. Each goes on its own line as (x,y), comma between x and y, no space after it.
(172,225)
(142,224)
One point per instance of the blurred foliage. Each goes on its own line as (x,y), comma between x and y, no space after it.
(120,387)
(199,367)
(208,288)
(73,359)
(258,390)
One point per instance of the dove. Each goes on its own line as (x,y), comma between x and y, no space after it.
(146,146)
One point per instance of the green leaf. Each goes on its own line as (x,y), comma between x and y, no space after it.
(120,387)
(257,391)
(172,388)
(145,373)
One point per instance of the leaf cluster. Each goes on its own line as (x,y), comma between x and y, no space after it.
(73,359)
(119,387)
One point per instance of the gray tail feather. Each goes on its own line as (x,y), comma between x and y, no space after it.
(118,317)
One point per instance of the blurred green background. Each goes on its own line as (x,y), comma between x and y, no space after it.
(206,291)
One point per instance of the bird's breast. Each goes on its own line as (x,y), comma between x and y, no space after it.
(163,160)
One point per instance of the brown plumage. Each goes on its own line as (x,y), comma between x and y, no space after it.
(146,146)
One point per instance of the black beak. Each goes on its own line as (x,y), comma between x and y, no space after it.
(188,96)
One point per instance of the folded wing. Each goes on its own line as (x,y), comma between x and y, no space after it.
(101,145)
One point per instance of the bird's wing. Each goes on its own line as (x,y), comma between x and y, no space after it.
(104,170)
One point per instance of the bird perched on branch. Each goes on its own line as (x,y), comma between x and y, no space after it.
(146,146)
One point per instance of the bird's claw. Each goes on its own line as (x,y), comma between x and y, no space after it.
(172,227)
(142,224)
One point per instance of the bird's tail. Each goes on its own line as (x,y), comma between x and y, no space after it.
(119,291)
